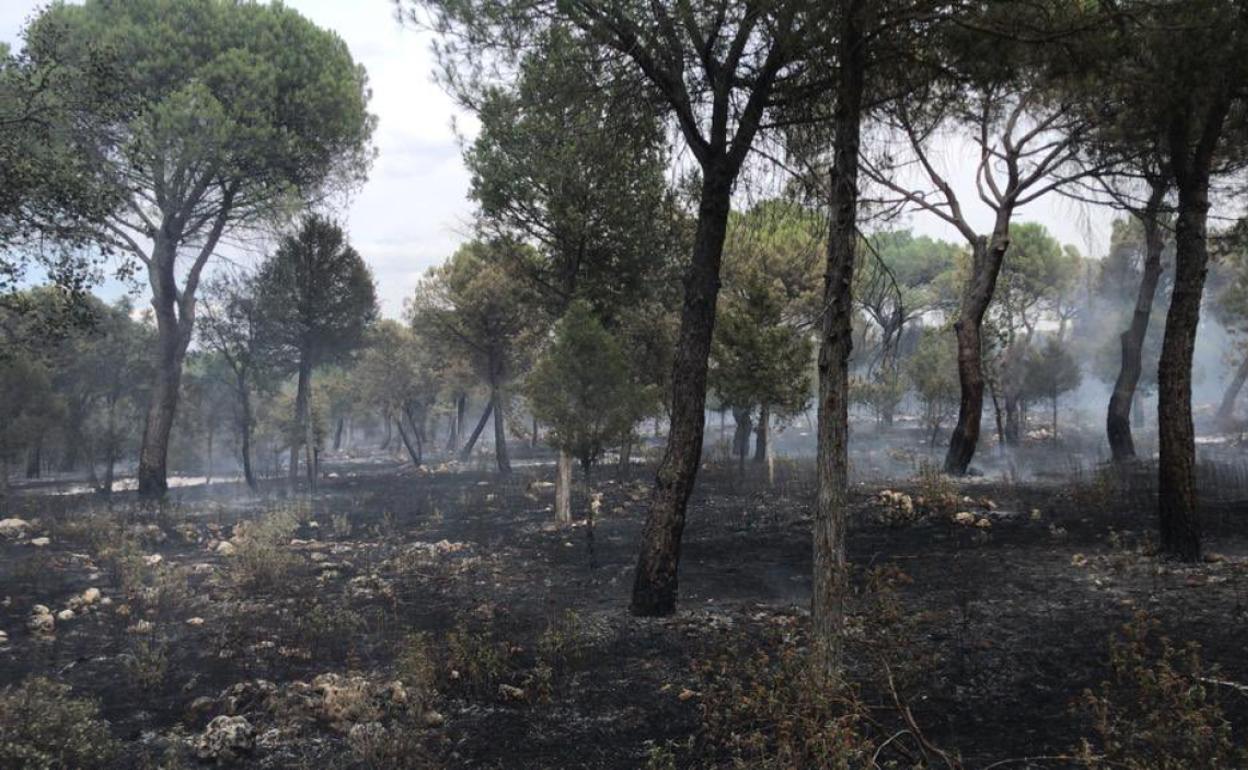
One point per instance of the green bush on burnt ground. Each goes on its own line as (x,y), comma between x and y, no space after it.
(1158,710)
(262,557)
(43,728)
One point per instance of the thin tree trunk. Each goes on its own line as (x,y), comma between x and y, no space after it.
(388,435)
(338,433)
(1226,410)
(533,435)
(34,460)
(761,433)
(208,475)
(655,581)
(1118,416)
(414,452)
(743,426)
(626,457)
(830,566)
(500,434)
(466,452)
(302,422)
(244,397)
(563,488)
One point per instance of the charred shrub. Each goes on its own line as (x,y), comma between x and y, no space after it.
(43,727)
(1158,710)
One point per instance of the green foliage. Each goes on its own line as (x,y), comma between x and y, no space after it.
(572,159)
(262,558)
(42,727)
(1051,370)
(316,298)
(581,388)
(933,373)
(1158,710)
(761,352)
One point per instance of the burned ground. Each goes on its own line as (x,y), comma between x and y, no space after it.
(442,616)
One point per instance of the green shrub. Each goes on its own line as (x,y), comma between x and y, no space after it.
(43,728)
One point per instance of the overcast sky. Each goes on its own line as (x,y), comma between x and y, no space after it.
(413,211)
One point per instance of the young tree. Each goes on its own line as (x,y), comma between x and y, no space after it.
(933,374)
(316,300)
(239,110)
(1231,308)
(1051,371)
(580,388)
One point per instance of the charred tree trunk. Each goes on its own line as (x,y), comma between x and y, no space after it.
(1226,410)
(414,452)
(1118,416)
(761,433)
(34,460)
(626,457)
(388,436)
(466,452)
(743,426)
(830,567)
(244,397)
(986,257)
(338,433)
(303,389)
(1177,499)
(501,457)
(1012,435)
(655,583)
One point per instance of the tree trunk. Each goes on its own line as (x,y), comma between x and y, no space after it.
(626,457)
(244,397)
(563,489)
(1177,500)
(743,426)
(533,435)
(760,433)
(500,434)
(388,435)
(830,567)
(986,257)
(1013,418)
(208,474)
(34,460)
(655,582)
(1226,410)
(173,335)
(466,452)
(1054,418)
(338,433)
(302,422)
(1118,416)
(414,452)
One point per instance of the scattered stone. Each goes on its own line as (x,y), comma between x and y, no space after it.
(65,615)
(1078,560)
(196,621)
(90,596)
(13,527)
(153,560)
(4,638)
(983,523)
(432,718)
(965,518)
(509,692)
(141,627)
(226,548)
(41,622)
(225,739)
(40,542)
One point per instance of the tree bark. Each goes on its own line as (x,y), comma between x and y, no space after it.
(1226,410)
(244,397)
(34,460)
(414,452)
(742,427)
(761,433)
(466,452)
(302,422)
(338,433)
(1177,499)
(563,489)
(830,566)
(986,257)
(501,457)
(1118,416)
(655,582)
(171,344)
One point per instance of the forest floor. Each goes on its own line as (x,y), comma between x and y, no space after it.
(441,619)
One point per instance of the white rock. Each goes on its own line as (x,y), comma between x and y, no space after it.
(4,638)
(90,596)
(41,623)
(226,548)
(13,527)
(965,518)
(153,560)
(65,615)
(225,738)
(40,542)
(195,621)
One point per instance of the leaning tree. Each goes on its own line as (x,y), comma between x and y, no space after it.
(237,111)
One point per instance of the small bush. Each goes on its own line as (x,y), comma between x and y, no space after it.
(262,559)
(416,666)
(42,727)
(1157,710)
(475,659)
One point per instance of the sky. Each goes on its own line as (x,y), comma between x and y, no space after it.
(413,211)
